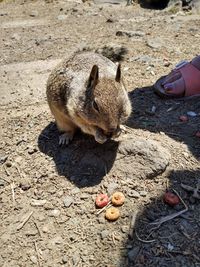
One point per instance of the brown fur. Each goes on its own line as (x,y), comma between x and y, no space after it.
(88,96)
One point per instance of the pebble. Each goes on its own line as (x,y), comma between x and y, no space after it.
(24,186)
(76,258)
(133,253)
(33,259)
(65,259)
(124,229)
(104,234)
(130,33)
(68,201)
(62,17)
(76,190)
(32,150)
(154,43)
(134,194)
(3,158)
(143,193)
(54,213)
(34,13)
(8,164)
(38,202)
(191,113)
(111,188)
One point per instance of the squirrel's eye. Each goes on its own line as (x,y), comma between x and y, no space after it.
(95,106)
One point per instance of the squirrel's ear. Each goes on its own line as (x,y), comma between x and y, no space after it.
(94,76)
(118,74)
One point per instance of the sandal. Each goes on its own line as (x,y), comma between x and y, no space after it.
(188,78)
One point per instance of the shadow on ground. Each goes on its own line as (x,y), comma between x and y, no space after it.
(166,117)
(173,243)
(84,162)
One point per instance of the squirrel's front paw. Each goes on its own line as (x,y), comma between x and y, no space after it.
(100,136)
(65,138)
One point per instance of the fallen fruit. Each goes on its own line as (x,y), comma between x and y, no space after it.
(102,200)
(171,199)
(183,118)
(118,199)
(112,214)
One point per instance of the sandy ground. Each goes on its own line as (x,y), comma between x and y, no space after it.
(48,216)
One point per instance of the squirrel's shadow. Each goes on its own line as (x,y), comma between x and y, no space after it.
(84,162)
(154,114)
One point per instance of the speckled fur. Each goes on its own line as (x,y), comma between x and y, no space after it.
(70,99)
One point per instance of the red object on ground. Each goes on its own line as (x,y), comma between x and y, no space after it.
(171,199)
(183,118)
(102,200)
(197,134)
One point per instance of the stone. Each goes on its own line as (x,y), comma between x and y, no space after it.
(154,43)
(38,202)
(68,201)
(65,259)
(104,234)
(54,213)
(62,17)
(133,193)
(145,158)
(34,13)
(76,258)
(111,188)
(33,259)
(132,254)
(130,33)
(3,158)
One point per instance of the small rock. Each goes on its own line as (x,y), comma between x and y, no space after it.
(133,193)
(154,43)
(84,196)
(3,158)
(62,17)
(132,254)
(65,259)
(76,258)
(76,190)
(8,164)
(124,229)
(34,259)
(143,193)
(191,113)
(54,213)
(48,206)
(104,234)
(33,13)
(2,182)
(45,229)
(24,186)
(32,150)
(38,202)
(130,33)
(68,201)
(111,188)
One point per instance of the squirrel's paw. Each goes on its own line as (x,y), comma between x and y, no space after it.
(65,138)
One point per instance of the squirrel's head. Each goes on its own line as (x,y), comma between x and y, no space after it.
(108,104)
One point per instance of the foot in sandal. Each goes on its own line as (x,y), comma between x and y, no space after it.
(183,81)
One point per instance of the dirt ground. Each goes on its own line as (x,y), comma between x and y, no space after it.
(47,192)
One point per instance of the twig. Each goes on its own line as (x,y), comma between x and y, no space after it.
(6,171)
(132,223)
(144,241)
(24,221)
(18,171)
(37,252)
(12,185)
(40,233)
(104,208)
(171,216)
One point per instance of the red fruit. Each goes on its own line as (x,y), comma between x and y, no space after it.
(171,199)
(183,118)
(102,200)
